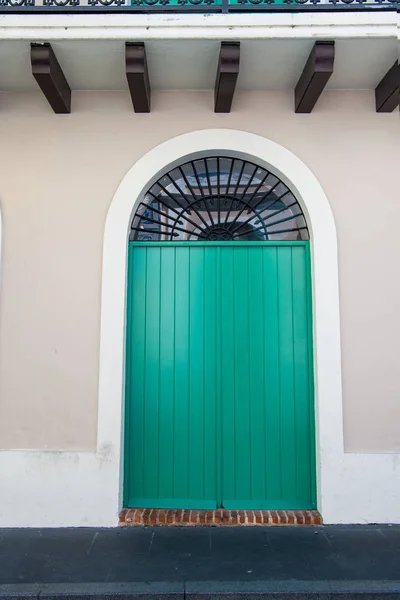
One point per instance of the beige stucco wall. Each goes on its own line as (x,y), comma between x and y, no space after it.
(58,174)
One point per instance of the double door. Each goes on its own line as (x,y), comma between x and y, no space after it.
(219,392)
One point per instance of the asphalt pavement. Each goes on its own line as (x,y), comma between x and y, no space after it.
(294,563)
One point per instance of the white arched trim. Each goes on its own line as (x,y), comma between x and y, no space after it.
(291,170)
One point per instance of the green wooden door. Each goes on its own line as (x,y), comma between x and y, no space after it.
(219,396)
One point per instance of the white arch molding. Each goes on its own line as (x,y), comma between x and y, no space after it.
(326,327)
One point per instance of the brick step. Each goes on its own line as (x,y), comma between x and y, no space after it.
(136,517)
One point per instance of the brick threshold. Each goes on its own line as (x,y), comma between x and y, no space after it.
(140,517)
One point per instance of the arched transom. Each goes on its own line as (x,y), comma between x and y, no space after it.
(219,198)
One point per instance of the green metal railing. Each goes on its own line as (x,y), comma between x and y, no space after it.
(199,6)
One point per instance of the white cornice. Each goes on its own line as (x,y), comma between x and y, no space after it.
(328,25)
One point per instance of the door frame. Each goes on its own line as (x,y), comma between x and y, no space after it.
(128,402)
(325,295)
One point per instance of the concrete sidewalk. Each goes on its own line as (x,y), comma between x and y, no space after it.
(177,563)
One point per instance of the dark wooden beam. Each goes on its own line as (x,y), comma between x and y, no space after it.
(227,73)
(137,75)
(315,76)
(50,77)
(387,92)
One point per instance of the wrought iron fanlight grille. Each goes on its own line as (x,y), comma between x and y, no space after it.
(219,198)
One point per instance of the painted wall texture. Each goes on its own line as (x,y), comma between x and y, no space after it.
(58,174)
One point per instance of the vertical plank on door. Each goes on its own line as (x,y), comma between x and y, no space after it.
(303,383)
(182,385)
(287,383)
(166,413)
(152,374)
(240,326)
(196,374)
(210,473)
(272,456)
(135,370)
(258,465)
(228,383)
